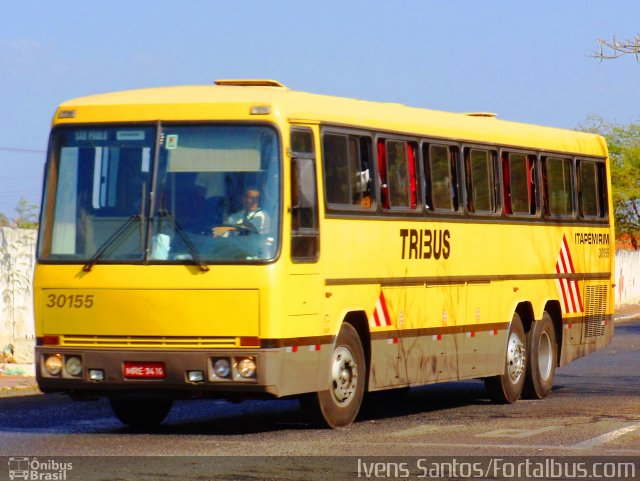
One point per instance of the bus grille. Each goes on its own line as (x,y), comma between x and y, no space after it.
(150,341)
(595,315)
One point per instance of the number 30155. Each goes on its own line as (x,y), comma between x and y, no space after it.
(71,301)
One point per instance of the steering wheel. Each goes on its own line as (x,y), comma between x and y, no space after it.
(245,228)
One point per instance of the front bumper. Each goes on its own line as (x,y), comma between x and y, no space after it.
(175,380)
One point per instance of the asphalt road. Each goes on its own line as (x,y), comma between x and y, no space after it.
(594,410)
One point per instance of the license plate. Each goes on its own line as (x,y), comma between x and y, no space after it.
(144,370)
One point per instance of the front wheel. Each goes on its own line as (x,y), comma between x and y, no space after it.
(339,405)
(542,350)
(140,414)
(507,387)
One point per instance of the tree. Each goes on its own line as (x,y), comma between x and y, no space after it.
(27,215)
(624,152)
(4,220)
(610,49)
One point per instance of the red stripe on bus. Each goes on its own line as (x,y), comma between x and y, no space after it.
(384,309)
(564,294)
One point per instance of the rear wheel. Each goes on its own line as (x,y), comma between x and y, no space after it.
(507,387)
(542,351)
(140,413)
(340,404)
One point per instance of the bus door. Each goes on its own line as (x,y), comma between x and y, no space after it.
(305,239)
(305,288)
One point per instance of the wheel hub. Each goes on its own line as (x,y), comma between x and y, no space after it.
(516,358)
(344,375)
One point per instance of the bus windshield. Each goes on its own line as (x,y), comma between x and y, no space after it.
(205,193)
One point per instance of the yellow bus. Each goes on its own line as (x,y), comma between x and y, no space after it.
(244,240)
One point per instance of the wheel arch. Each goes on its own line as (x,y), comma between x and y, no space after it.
(555,311)
(360,322)
(525,311)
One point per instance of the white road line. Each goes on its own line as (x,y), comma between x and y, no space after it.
(425,429)
(517,433)
(605,438)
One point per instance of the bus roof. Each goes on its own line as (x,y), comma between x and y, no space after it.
(233,99)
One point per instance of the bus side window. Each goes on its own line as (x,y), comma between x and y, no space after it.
(347,175)
(440,167)
(592,189)
(480,180)
(401,174)
(557,175)
(336,169)
(519,183)
(305,243)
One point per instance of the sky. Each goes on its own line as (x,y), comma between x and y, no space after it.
(527,61)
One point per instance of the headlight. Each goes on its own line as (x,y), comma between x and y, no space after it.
(53,364)
(73,365)
(222,367)
(96,375)
(195,376)
(247,367)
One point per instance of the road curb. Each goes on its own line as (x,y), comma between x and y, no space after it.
(627,318)
(17,379)
(26,390)
(17,369)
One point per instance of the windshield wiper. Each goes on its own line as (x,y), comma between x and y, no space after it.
(110,241)
(195,255)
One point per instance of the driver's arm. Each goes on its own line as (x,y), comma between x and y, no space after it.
(221,230)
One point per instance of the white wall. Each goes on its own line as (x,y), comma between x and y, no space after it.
(17,252)
(627,278)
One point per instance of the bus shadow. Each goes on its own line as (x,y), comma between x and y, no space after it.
(209,417)
(627,329)
(60,415)
(422,400)
(216,417)
(254,417)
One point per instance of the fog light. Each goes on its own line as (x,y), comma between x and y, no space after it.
(195,376)
(222,367)
(247,367)
(53,364)
(73,365)
(96,374)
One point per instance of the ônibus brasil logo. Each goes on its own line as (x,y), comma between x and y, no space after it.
(33,469)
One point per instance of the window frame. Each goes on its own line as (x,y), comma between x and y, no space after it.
(427,185)
(534,201)
(304,232)
(602,192)
(546,198)
(361,135)
(468,180)
(383,184)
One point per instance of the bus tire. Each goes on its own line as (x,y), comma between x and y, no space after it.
(507,387)
(140,413)
(542,352)
(339,405)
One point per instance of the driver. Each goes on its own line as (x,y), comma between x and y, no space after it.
(250,219)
